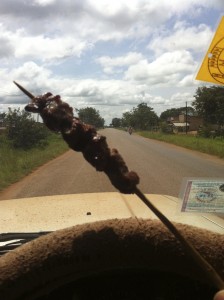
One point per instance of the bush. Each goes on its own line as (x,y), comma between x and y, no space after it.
(209,132)
(23,131)
(166,128)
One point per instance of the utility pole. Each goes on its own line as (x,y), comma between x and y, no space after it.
(186,119)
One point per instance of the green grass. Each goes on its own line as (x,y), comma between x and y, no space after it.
(205,145)
(16,163)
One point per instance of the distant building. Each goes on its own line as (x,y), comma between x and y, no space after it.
(179,123)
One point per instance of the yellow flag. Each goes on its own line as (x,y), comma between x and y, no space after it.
(212,68)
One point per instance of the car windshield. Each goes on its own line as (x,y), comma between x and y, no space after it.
(134,71)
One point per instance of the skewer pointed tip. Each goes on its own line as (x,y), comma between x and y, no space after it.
(24,90)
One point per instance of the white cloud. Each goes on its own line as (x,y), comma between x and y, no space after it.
(69,47)
(35,78)
(43,48)
(110,63)
(93,20)
(31,72)
(183,37)
(50,30)
(44,2)
(167,69)
(178,98)
(188,80)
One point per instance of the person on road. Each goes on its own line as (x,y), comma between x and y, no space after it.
(130,130)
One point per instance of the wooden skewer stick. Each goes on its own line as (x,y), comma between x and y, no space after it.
(210,272)
(24,90)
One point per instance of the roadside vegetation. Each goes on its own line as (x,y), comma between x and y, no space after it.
(200,127)
(24,146)
(16,162)
(213,146)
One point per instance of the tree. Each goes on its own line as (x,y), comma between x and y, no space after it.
(209,103)
(23,131)
(2,116)
(116,122)
(90,115)
(2,119)
(127,119)
(141,117)
(175,112)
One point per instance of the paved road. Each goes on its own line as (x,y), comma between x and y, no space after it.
(161,168)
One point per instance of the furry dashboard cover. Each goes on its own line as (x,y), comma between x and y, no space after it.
(65,255)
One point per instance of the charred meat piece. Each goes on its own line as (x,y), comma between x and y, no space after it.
(58,116)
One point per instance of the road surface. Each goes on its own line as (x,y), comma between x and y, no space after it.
(160,166)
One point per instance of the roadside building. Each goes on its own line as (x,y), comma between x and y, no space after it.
(180,122)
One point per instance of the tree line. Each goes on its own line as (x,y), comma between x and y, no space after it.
(23,132)
(208,104)
(141,117)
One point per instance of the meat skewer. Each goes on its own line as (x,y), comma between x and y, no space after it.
(58,116)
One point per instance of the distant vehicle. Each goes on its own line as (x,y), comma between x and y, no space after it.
(130,130)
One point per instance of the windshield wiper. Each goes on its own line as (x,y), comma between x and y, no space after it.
(12,240)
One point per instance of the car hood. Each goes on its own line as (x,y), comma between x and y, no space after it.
(51,213)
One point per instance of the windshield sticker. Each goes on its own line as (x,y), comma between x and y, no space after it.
(212,68)
(203,196)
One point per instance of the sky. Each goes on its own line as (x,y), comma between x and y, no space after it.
(110,55)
